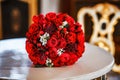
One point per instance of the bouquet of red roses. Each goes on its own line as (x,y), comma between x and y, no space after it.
(54,40)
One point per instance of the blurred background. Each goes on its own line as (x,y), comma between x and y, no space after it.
(100,20)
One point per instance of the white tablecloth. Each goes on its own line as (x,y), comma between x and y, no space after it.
(15,64)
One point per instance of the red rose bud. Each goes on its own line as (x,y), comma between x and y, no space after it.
(50,16)
(41,32)
(52,42)
(59,28)
(39,44)
(65,30)
(46,52)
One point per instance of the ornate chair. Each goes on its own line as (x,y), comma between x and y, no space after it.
(104,19)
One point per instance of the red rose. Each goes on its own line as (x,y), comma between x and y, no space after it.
(61,17)
(50,16)
(73,59)
(34,28)
(35,19)
(61,43)
(32,37)
(38,59)
(30,48)
(57,35)
(52,42)
(64,57)
(50,28)
(70,20)
(80,38)
(72,28)
(39,20)
(71,37)
(52,52)
(33,32)
(42,59)
(34,59)
(42,21)
(59,20)
(28,35)
(57,62)
(80,50)
(78,27)
(72,47)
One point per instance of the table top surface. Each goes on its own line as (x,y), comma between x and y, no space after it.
(15,64)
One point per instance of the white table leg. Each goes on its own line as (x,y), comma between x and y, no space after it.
(104,77)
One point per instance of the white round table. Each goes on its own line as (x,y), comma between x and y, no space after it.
(15,64)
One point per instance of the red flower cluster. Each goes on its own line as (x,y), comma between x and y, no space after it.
(54,40)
